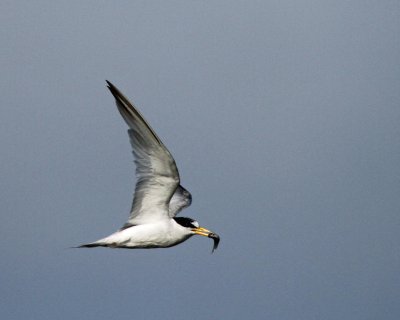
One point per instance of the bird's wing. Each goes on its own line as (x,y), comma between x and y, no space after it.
(180,200)
(156,171)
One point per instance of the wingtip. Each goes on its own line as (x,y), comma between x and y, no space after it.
(110,86)
(113,89)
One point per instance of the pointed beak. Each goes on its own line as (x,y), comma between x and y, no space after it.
(207,233)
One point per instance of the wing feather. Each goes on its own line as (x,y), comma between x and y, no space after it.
(156,171)
(179,201)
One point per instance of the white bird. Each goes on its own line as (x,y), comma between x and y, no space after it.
(158,195)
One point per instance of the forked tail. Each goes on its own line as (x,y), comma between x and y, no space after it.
(92,245)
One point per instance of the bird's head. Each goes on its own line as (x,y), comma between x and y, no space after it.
(195,228)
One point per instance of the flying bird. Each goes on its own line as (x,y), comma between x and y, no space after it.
(158,195)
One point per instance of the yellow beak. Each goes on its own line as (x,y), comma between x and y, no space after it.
(202,232)
(207,233)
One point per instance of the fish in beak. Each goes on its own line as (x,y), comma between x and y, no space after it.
(207,233)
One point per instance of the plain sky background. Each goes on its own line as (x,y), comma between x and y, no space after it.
(283,118)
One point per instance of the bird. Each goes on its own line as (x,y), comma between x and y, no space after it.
(158,196)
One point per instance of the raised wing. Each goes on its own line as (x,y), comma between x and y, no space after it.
(179,201)
(156,171)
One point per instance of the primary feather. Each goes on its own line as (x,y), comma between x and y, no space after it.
(158,194)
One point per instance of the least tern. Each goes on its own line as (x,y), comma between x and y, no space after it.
(158,195)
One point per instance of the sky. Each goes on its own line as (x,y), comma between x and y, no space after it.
(283,118)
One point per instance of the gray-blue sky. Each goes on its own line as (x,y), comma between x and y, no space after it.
(283,117)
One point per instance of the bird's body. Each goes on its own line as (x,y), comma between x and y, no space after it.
(161,234)
(158,196)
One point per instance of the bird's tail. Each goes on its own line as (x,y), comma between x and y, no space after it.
(92,245)
(104,242)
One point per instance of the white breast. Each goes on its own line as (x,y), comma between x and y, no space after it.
(161,234)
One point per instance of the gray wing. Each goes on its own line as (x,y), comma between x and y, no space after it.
(179,201)
(156,171)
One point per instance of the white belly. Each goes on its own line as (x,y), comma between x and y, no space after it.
(158,235)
